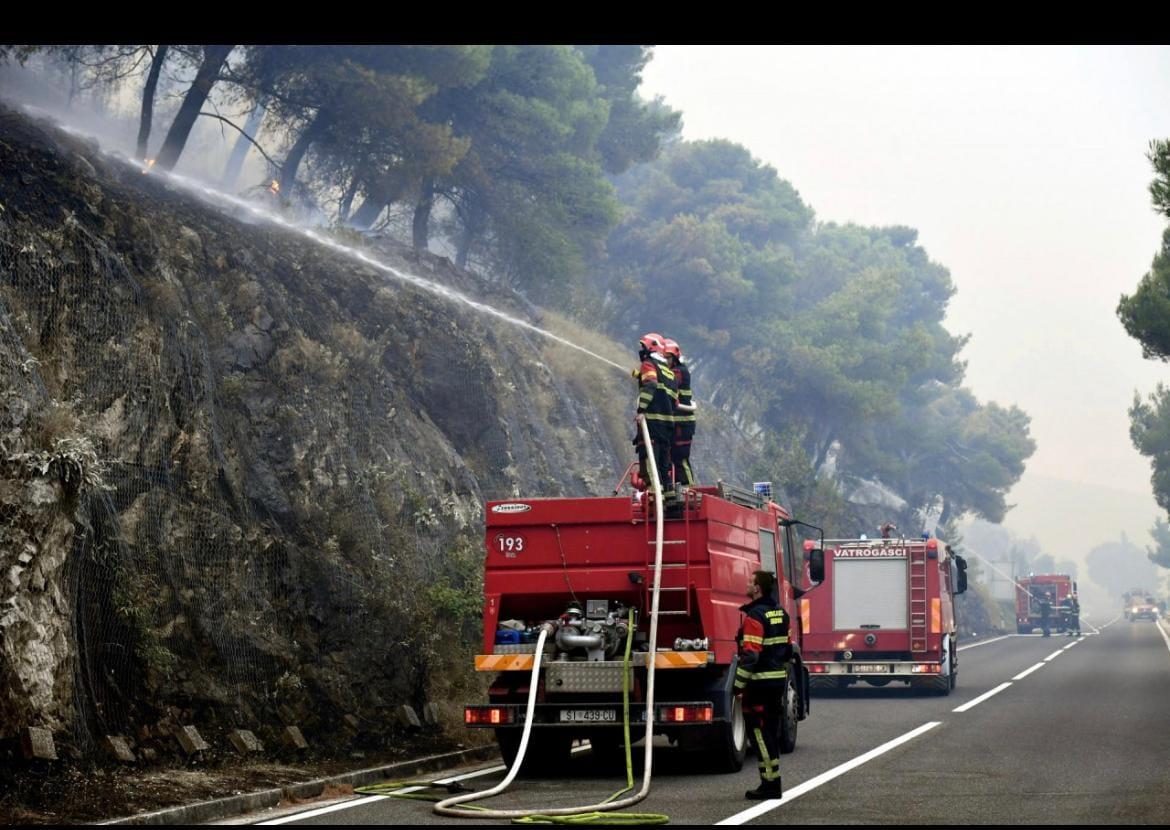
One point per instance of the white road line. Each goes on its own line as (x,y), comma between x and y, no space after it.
(1027,672)
(1070,645)
(357,802)
(369,799)
(1054,655)
(985,642)
(971,704)
(1163,632)
(825,777)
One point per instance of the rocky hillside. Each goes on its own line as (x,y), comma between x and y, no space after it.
(242,473)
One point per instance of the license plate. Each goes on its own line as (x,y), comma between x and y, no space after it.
(588,716)
(869,668)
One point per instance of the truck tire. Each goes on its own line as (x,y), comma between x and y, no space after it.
(726,746)
(789,717)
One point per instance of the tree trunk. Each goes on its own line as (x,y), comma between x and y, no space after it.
(347,199)
(465,243)
(288,171)
(365,216)
(144,122)
(243,145)
(422,216)
(214,58)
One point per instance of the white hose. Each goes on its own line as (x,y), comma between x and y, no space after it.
(446,807)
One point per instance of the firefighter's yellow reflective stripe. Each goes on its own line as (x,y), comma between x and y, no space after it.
(690,417)
(503,662)
(741,672)
(654,416)
(752,638)
(770,675)
(772,641)
(767,771)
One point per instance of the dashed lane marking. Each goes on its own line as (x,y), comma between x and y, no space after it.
(825,777)
(1027,672)
(985,642)
(1054,655)
(971,704)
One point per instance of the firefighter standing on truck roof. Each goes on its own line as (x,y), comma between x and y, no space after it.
(761,676)
(656,397)
(684,417)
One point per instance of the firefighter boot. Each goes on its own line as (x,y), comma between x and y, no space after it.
(767,789)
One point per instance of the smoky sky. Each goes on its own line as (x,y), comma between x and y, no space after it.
(1023,170)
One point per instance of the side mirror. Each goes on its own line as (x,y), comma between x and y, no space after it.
(961,583)
(816,565)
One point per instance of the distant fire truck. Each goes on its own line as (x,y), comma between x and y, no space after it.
(885,611)
(1030,593)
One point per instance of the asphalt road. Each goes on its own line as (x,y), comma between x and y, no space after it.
(1039,730)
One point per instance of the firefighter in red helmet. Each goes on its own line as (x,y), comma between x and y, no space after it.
(657,394)
(684,417)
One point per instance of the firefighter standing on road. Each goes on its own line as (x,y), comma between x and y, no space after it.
(761,676)
(1045,612)
(656,397)
(684,418)
(1074,616)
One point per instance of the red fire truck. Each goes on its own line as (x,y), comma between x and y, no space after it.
(884,612)
(1030,593)
(585,564)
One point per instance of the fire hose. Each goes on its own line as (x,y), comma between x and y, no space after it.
(599,812)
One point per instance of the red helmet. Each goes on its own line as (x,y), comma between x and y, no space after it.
(652,342)
(671,347)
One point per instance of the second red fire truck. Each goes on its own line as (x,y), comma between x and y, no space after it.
(885,612)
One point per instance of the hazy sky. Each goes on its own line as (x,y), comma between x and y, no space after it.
(1023,170)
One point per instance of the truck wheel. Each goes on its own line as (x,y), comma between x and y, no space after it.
(727,744)
(789,718)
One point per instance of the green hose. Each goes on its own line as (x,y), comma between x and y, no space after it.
(611,818)
(389,788)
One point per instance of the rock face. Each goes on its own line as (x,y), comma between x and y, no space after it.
(242,473)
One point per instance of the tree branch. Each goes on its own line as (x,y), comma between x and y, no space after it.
(251,140)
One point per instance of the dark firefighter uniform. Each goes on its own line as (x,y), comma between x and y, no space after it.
(657,394)
(761,676)
(684,428)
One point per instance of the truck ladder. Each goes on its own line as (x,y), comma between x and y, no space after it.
(674,600)
(917,598)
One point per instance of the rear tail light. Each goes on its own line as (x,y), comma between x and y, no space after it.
(818,668)
(926,668)
(687,713)
(488,715)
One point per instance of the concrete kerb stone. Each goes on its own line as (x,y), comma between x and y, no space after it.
(205,811)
